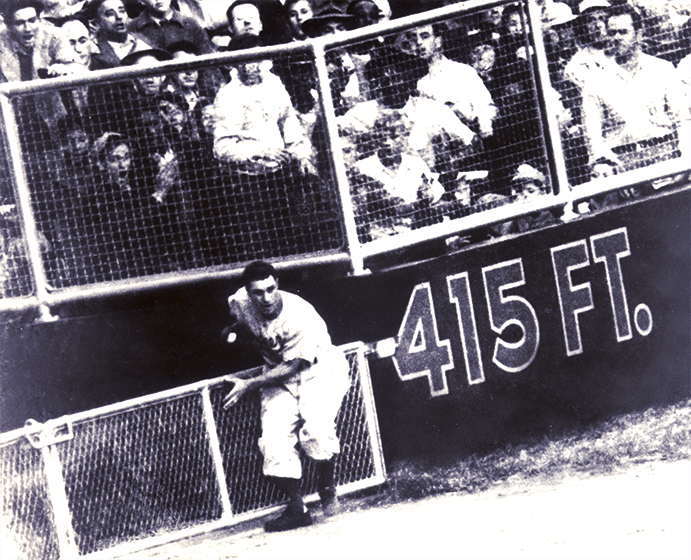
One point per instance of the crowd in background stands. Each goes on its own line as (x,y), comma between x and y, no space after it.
(421,114)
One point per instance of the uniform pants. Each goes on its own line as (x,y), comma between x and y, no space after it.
(303,412)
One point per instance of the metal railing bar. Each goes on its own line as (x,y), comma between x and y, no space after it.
(511,211)
(339,167)
(556,159)
(215,448)
(118,287)
(30,229)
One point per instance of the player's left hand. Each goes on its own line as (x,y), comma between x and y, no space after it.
(240,387)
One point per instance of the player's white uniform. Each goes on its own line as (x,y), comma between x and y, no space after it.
(303,407)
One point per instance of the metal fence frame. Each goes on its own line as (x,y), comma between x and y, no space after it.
(354,253)
(47,436)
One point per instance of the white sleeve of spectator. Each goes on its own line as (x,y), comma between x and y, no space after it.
(592,125)
(226,130)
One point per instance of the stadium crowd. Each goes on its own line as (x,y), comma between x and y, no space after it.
(230,163)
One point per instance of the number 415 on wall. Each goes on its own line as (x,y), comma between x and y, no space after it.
(420,352)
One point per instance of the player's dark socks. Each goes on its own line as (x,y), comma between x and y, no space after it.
(326,487)
(292,488)
(325,474)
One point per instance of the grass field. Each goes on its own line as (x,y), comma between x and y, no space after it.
(657,434)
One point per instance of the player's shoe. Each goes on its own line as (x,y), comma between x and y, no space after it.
(329,500)
(289,519)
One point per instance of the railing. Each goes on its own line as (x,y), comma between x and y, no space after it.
(75,227)
(159,468)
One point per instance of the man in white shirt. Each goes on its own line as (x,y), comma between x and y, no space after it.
(268,157)
(257,129)
(634,116)
(455,84)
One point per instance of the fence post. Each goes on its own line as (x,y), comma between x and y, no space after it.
(555,153)
(24,203)
(333,141)
(58,500)
(215,448)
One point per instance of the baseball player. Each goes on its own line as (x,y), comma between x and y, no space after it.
(302,383)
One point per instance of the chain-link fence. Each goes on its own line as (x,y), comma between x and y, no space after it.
(337,148)
(160,466)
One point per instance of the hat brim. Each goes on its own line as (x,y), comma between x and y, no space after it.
(312,26)
(132,58)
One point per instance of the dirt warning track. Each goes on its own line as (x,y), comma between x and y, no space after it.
(643,512)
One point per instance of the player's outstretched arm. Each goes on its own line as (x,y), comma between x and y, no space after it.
(242,386)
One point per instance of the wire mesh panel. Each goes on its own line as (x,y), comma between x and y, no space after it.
(622,73)
(143,472)
(165,173)
(439,121)
(15,273)
(28,530)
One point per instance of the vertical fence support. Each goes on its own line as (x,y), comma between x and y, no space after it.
(62,518)
(555,153)
(333,141)
(215,448)
(24,200)
(371,415)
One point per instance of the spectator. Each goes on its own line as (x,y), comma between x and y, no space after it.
(590,58)
(636,115)
(472,103)
(30,49)
(120,219)
(193,84)
(75,170)
(328,20)
(298,11)
(488,23)
(512,50)
(392,189)
(159,25)
(27,44)
(77,35)
(266,19)
(364,12)
(113,40)
(259,137)
(345,87)
(526,185)
(431,125)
